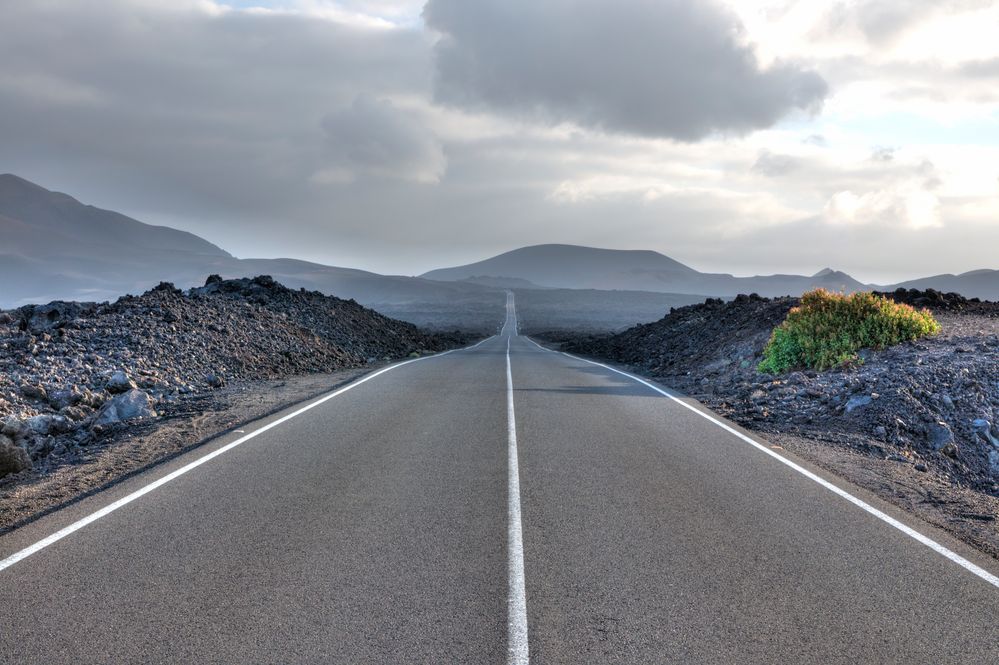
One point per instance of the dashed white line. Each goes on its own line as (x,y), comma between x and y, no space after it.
(124,501)
(860,503)
(517,644)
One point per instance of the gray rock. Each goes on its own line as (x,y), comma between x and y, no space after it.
(60,399)
(32,391)
(939,435)
(119,382)
(46,424)
(983,428)
(857,401)
(214,380)
(132,405)
(38,424)
(13,459)
(12,426)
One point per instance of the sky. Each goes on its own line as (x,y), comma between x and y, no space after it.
(750,137)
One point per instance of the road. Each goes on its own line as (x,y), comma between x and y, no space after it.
(491,505)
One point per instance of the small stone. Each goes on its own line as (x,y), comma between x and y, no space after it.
(880,432)
(921,467)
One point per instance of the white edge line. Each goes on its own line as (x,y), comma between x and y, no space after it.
(125,500)
(517,643)
(860,503)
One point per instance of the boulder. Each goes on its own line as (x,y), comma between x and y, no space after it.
(119,382)
(60,399)
(983,428)
(33,391)
(131,405)
(13,459)
(940,436)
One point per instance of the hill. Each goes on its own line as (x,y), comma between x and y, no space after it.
(575,267)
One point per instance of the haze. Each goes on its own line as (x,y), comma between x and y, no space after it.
(750,137)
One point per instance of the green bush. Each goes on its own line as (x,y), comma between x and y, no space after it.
(827,329)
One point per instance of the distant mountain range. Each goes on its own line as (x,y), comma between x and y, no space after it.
(52,247)
(571,266)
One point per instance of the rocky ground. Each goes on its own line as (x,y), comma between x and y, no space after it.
(80,378)
(916,423)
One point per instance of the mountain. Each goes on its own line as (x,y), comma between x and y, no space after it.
(570,266)
(982,284)
(574,267)
(53,247)
(52,223)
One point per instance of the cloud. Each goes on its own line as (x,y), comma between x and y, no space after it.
(373,138)
(659,68)
(883,21)
(775,165)
(188,110)
(905,207)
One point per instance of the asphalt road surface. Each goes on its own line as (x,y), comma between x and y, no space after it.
(491,505)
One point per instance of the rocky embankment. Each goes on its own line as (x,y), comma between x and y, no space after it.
(75,376)
(926,411)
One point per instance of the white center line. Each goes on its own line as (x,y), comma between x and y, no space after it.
(517,646)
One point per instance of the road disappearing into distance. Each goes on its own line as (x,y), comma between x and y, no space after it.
(502,503)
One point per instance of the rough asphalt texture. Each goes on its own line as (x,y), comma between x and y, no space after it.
(372,529)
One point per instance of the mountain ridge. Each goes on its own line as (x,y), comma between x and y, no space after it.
(53,247)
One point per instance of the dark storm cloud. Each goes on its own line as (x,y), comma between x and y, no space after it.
(659,68)
(167,107)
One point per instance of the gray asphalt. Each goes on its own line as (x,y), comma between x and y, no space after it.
(373,529)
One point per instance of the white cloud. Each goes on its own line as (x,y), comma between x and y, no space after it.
(892,207)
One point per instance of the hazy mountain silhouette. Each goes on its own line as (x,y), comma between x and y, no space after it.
(982,284)
(570,266)
(54,247)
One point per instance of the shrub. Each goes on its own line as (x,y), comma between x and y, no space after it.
(827,329)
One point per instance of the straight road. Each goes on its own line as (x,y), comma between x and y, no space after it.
(497,504)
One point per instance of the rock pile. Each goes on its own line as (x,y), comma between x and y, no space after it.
(942,302)
(71,373)
(931,403)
